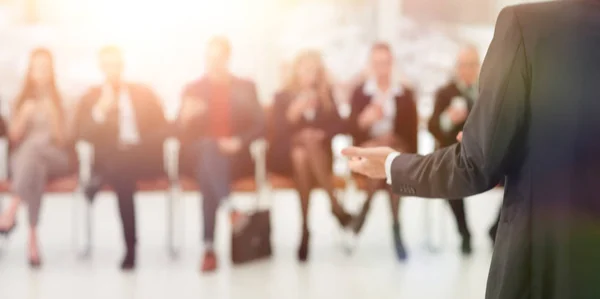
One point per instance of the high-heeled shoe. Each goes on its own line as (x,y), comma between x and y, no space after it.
(303,249)
(6,232)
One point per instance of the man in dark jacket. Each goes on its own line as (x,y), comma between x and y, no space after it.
(126,125)
(536,123)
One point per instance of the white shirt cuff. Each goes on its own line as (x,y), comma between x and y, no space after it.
(97,115)
(446,123)
(388,166)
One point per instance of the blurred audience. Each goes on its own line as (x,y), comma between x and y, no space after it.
(126,125)
(304,120)
(453,102)
(220,117)
(383,113)
(38,141)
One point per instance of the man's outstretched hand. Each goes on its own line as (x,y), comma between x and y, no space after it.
(368,161)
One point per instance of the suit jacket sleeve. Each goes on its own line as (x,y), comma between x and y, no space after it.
(335,124)
(89,130)
(157,126)
(493,133)
(434,122)
(356,109)
(408,128)
(196,124)
(257,125)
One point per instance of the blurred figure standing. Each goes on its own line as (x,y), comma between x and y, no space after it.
(453,103)
(383,113)
(304,120)
(37,133)
(220,117)
(126,125)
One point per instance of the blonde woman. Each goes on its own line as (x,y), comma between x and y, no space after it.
(304,121)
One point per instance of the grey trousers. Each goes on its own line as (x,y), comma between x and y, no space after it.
(32,163)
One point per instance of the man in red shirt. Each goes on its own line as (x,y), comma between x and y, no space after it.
(220,117)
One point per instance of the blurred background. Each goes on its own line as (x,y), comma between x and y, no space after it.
(164,43)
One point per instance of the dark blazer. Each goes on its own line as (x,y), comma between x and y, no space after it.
(282,131)
(443,99)
(151,123)
(405,125)
(247,118)
(537,122)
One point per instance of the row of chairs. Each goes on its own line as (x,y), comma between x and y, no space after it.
(173,185)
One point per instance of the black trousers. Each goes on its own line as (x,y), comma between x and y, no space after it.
(121,168)
(458,209)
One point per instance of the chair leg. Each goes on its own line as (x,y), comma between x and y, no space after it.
(88,221)
(74,221)
(2,240)
(172,203)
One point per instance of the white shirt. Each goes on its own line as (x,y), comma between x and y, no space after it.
(128,131)
(387,100)
(388,166)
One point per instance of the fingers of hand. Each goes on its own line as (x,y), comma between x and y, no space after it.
(353,152)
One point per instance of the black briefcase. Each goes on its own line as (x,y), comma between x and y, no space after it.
(251,240)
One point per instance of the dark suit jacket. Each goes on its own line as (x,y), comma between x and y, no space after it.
(282,131)
(405,124)
(247,119)
(537,122)
(443,99)
(151,123)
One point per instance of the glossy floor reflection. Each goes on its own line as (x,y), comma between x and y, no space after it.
(371,272)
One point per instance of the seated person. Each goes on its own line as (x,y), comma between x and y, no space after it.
(220,117)
(304,120)
(383,114)
(39,145)
(126,125)
(453,103)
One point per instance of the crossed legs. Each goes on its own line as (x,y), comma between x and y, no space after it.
(311,168)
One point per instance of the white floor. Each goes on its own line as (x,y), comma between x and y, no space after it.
(371,272)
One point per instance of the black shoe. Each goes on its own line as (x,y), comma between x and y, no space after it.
(92,187)
(303,250)
(6,232)
(400,250)
(129,261)
(466,246)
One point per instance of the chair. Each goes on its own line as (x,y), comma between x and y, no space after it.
(161,184)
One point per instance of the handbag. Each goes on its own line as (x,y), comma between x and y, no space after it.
(251,237)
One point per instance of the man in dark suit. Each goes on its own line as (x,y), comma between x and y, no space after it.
(383,113)
(126,125)
(453,102)
(220,117)
(536,123)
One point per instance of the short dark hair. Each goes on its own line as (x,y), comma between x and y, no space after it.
(381,46)
(110,49)
(221,41)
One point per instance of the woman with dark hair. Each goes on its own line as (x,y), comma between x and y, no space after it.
(37,136)
(305,119)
